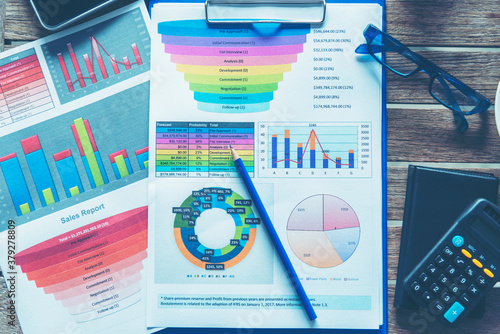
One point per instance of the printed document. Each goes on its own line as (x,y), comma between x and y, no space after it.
(73,176)
(304,113)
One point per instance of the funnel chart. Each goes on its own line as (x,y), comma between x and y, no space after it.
(232,70)
(94,270)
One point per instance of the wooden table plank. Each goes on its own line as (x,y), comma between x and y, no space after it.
(479,70)
(21,23)
(430,135)
(444,22)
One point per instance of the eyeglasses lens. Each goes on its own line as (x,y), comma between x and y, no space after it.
(448,93)
(393,59)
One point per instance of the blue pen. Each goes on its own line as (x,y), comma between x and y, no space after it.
(274,236)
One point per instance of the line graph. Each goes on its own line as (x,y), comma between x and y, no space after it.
(315,150)
(300,162)
(98,57)
(95,48)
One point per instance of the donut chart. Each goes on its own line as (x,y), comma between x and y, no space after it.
(323,231)
(237,247)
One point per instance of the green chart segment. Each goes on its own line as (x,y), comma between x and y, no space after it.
(237,247)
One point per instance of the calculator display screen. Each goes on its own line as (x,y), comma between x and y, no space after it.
(488,232)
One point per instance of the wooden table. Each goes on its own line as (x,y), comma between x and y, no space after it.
(463,37)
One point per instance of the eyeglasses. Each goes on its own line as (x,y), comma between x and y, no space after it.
(446,89)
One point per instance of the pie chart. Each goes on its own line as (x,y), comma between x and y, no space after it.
(323,231)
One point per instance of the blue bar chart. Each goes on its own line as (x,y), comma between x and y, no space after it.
(16,184)
(143,157)
(317,150)
(69,173)
(71,158)
(121,164)
(39,170)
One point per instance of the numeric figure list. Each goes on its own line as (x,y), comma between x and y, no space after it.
(202,149)
(23,90)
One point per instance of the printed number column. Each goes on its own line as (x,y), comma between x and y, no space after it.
(5,117)
(198,149)
(172,149)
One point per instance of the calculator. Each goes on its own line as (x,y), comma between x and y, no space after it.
(463,266)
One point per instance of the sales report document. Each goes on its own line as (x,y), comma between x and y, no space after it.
(305,114)
(74,112)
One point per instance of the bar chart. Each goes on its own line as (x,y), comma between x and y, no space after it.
(90,60)
(202,149)
(59,160)
(315,149)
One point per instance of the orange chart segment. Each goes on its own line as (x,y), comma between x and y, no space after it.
(323,231)
(314,248)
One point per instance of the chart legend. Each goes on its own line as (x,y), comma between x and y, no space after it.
(315,150)
(105,54)
(323,231)
(202,149)
(232,70)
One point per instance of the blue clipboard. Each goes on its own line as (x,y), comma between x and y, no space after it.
(385,326)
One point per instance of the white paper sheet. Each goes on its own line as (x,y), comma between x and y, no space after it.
(73,177)
(295,103)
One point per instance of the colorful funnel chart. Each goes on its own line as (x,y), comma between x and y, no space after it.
(323,231)
(94,270)
(237,247)
(234,69)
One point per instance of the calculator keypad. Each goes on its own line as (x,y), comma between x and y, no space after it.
(450,281)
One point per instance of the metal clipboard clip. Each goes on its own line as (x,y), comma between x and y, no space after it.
(265,11)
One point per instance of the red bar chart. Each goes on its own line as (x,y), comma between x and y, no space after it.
(95,50)
(96,58)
